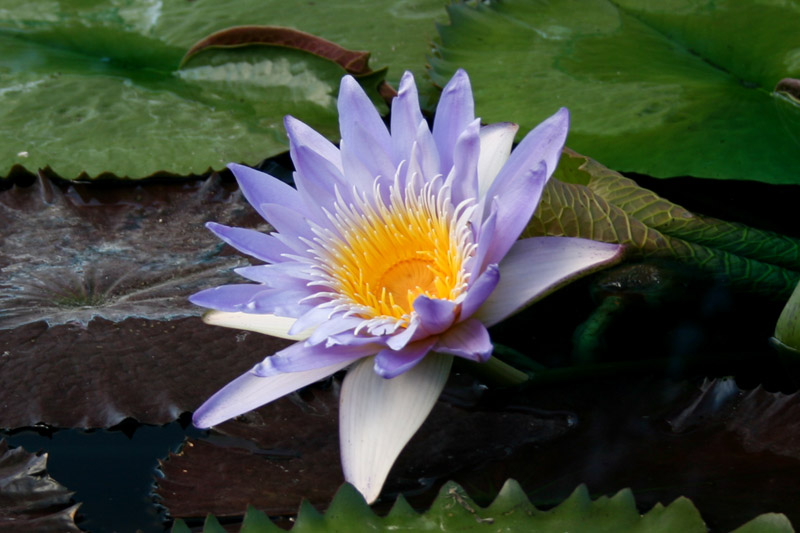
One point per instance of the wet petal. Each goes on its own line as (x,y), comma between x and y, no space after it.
(249,391)
(538,266)
(377,417)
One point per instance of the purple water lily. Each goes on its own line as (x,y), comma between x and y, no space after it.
(393,254)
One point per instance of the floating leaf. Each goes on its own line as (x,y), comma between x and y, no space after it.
(94,90)
(591,201)
(30,500)
(669,88)
(301,460)
(95,321)
(453,510)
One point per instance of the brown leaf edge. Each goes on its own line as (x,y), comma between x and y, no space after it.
(355,62)
(789,87)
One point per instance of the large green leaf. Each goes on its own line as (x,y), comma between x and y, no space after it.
(666,88)
(453,510)
(93,88)
(591,201)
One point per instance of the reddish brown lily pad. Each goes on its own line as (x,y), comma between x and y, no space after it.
(30,500)
(288,450)
(95,325)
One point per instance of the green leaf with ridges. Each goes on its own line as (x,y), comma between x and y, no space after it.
(454,511)
(591,201)
(92,89)
(668,88)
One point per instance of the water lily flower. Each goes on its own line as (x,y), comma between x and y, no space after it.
(392,255)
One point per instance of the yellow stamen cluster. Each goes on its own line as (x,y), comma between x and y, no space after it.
(381,257)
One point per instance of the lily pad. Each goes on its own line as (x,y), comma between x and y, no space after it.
(588,200)
(94,90)
(294,461)
(30,500)
(668,88)
(95,321)
(453,510)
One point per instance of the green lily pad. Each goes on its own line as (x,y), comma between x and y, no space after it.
(667,88)
(94,90)
(454,510)
(588,200)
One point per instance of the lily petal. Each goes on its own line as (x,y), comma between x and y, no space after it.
(538,266)
(543,143)
(251,242)
(469,340)
(496,142)
(515,207)
(261,188)
(300,357)
(300,134)
(377,417)
(362,126)
(391,363)
(456,109)
(405,117)
(276,326)
(249,391)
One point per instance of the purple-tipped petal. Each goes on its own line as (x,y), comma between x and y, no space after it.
(515,206)
(300,357)
(311,319)
(435,315)
(251,242)
(465,163)
(485,239)
(542,144)
(300,134)
(496,142)
(231,298)
(249,391)
(405,118)
(316,179)
(333,326)
(480,290)
(468,339)
(290,224)
(261,188)
(276,326)
(281,302)
(377,417)
(456,109)
(391,363)
(363,129)
(275,276)
(406,335)
(538,266)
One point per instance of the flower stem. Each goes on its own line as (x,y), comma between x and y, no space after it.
(496,372)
